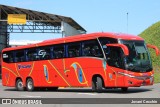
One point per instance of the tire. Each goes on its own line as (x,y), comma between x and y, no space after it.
(99,85)
(30,85)
(94,85)
(124,89)
(19,85)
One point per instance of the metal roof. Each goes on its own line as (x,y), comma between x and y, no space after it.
(39,17)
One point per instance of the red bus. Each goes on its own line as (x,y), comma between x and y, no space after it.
(97,60)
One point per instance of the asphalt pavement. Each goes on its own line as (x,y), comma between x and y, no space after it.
(75,93)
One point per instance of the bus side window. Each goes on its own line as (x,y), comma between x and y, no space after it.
(44,53)
(73,50)
(92,48)
(32,55)
(104,41)
(8,57)
(19,56)
(115,57)
(58,51)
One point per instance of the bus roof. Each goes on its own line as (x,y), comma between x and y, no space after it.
(79,38)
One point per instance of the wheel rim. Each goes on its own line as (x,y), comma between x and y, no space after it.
(96,85)
(20,84)
(30,85)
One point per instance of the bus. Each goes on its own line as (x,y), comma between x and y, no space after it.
(97,60)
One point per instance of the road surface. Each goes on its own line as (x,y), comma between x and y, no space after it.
(138,92)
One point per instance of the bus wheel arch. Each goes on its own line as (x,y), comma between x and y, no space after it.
(19,84)
(97,83)
(29,84)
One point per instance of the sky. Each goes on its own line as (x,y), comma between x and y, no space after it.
(95,15)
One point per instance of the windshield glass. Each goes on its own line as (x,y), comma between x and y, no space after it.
(138,59)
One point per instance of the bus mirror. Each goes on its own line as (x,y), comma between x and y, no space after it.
(155,48)
(124,48)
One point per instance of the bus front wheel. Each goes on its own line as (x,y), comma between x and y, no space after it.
(94,85)
(19,85)
(30,85)
(97,84)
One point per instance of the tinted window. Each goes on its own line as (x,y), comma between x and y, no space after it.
(44,53)
(8,57)
(114,58)
(91,48)
(19,56)
(58,51)
(104,40)
(138,58)
(73,50)
(31,54)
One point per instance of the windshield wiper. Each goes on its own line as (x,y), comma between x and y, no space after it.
(135,50)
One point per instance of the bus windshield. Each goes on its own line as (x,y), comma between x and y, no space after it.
(139,58)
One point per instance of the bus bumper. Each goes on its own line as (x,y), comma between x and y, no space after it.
(138,81)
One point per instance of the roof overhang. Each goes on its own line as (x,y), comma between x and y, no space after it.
(39,17)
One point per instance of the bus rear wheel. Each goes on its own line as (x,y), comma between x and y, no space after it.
(30,85)
(19,85)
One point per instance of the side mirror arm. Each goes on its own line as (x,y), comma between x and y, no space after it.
(155,48)
(122,46)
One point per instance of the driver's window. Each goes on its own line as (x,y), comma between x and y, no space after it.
(114,58)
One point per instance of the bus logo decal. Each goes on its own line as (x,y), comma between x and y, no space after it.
(42,53)
(46,74)
(5,56)
(23,66)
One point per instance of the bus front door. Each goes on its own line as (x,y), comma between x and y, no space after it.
(115,66)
